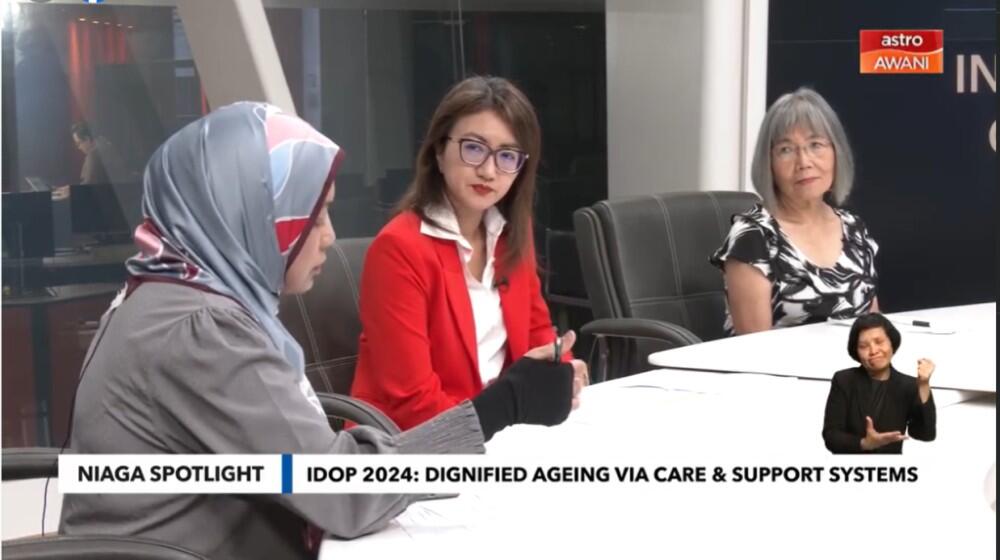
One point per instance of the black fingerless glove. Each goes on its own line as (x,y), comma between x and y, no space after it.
(528,392)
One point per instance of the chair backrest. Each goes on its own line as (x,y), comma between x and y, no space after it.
(326,321)
(647,257)
(94,548)
(27,494)
(23,463)
(341,408)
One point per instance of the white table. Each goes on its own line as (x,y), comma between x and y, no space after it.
(965,360)
(698,418)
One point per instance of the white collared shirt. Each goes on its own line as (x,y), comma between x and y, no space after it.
(491,332)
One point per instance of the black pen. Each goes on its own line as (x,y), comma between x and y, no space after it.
(558,347)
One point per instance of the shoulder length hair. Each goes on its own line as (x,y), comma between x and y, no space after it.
(470,96)
(802,108)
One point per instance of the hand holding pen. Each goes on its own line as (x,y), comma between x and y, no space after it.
(554,351)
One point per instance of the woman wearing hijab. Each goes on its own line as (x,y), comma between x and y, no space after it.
(191,357)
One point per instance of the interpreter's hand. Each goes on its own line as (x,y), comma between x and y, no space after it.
(925,368)
(581,373)
(874,440)
(60,193)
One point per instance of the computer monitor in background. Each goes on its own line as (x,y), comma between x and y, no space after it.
(130,197)
(109,213)
(27,225)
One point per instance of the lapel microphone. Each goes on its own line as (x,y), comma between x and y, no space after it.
(501,284)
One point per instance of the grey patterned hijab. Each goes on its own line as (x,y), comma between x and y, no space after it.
(228,201)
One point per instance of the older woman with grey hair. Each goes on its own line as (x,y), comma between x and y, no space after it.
(798,257)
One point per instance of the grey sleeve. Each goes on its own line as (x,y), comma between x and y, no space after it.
(222,387)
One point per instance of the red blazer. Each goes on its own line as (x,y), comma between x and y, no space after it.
(417,353)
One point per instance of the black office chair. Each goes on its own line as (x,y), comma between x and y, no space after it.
(94,548)
(341,407)
(645,263)
(25,463)
(326,320)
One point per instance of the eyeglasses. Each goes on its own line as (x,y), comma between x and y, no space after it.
(474,152)
(787,151)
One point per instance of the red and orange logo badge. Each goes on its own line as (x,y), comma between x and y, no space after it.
(902,51)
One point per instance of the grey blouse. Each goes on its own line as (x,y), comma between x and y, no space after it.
(178,370)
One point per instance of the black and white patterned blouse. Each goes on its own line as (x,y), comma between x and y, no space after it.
(802,292)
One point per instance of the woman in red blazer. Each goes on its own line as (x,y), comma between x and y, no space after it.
(450,294)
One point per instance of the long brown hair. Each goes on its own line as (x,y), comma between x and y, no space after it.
(470,96)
